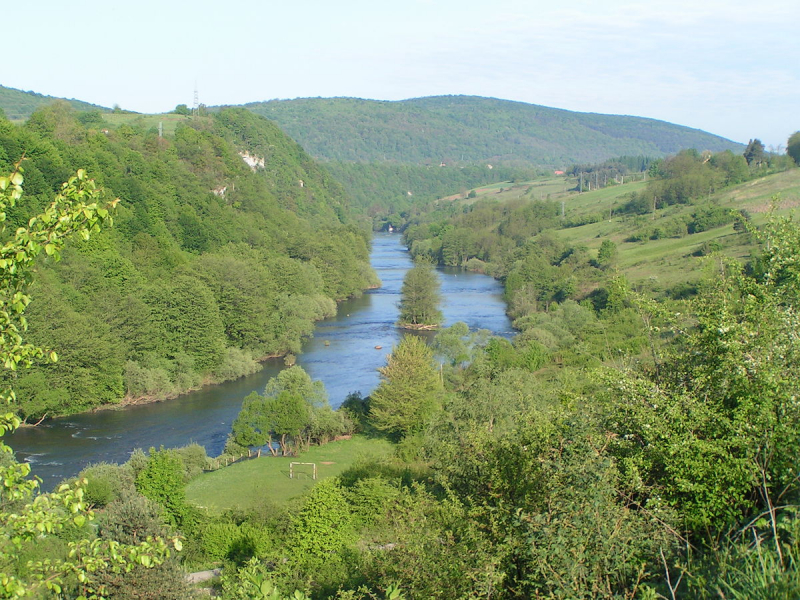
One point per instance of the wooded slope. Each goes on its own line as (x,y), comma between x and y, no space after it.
(212,262)
(19,105)
(473,129)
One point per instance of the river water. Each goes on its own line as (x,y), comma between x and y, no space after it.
(342,354)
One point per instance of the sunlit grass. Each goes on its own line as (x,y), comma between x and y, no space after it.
(169,120)
(250,483)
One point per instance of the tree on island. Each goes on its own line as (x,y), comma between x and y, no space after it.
(419,301)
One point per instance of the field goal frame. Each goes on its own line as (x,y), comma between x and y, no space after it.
(293,463)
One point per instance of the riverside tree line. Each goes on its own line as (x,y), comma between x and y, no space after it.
(212,265)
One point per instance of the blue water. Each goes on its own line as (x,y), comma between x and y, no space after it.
(347,363)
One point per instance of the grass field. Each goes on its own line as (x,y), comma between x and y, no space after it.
(250,483)
(663,262)
(669,260)
(169,120)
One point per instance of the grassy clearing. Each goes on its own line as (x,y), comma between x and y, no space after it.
(252,483)
(662,262)
(668,261)
(170,120)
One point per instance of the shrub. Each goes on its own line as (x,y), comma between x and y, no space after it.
(194,459)
(162,481)
(106,482)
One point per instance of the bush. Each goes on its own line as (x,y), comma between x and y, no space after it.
(236,363)
(369,498)
(194,459)
(162,480)
(709,217)
(217,539)
(132,519)
(106,482)
(143,381)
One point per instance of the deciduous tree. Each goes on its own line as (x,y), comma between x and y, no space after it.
(410,390)
(26,518)
(419,303)
(793,147)
(754,153)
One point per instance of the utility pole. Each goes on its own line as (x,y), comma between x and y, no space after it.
(196,105)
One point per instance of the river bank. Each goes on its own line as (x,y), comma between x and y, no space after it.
(342,354)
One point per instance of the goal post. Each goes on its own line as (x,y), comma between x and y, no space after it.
(292,466)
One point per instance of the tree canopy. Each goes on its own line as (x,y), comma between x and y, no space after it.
(214,263)
(410,389)
(26,518)
(420,298)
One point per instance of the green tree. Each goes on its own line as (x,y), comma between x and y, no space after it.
(793,147)
(289,408)
(419,302)
(161,481)
(607,255)
(754,153)
(253,424)
(324,524)
(410,390)
(27,519)
(290,416)
(296,381)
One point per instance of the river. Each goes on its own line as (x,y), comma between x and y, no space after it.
(342,354)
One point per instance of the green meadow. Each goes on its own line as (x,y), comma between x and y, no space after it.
(662,262)
(168,120)
(250,483)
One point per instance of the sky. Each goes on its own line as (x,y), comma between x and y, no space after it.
(729,67)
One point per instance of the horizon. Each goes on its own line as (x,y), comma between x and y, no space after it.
(243,104)
(724,67)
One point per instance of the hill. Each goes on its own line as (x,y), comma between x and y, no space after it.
(229,242)
(470,129)
(19,105)
(661,247)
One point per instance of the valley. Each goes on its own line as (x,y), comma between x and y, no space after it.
(608,409)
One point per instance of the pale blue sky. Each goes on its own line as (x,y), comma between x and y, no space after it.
(729,67)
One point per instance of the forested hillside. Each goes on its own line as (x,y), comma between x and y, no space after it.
(213,262)
(469,129)
(18,105)
(393,157)
(390,193)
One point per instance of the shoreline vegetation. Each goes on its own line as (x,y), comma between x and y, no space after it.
(212,261)
(128,401)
